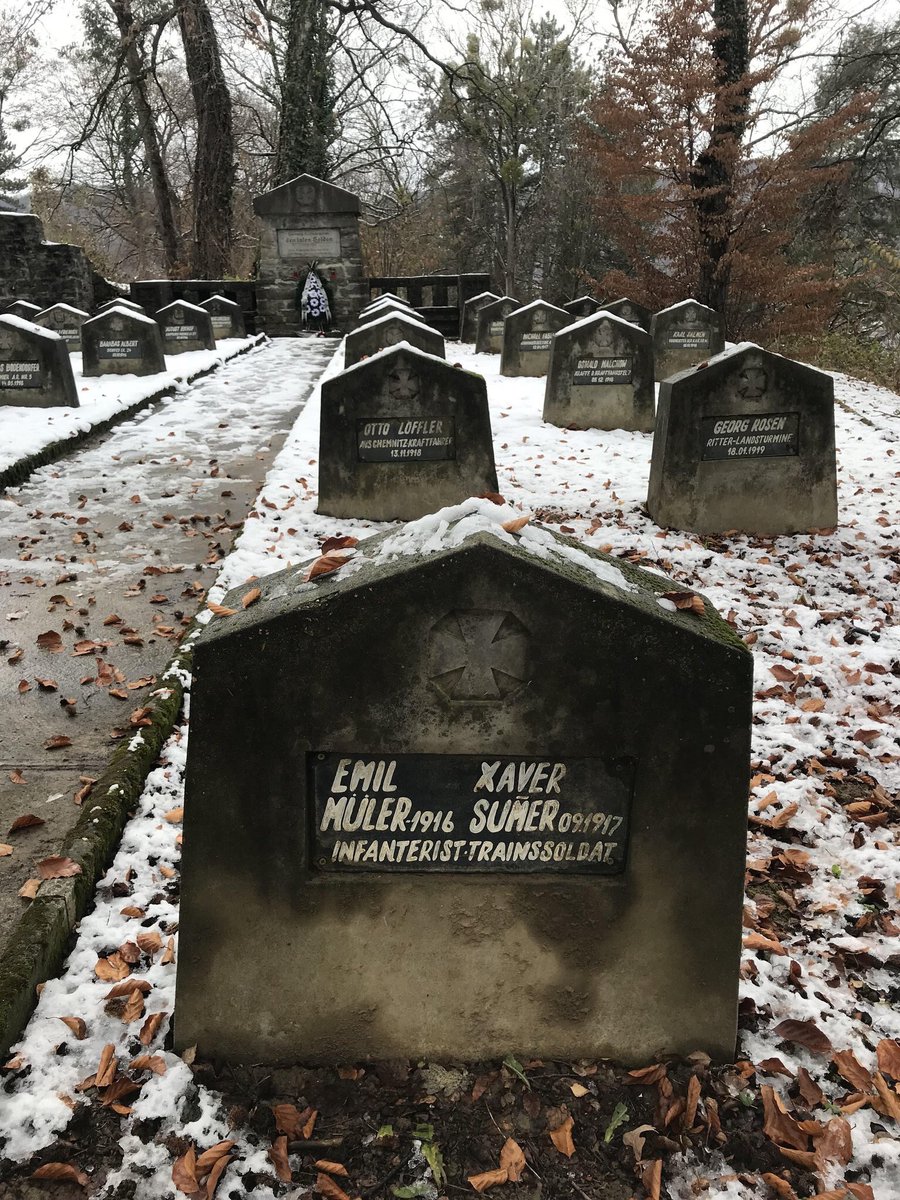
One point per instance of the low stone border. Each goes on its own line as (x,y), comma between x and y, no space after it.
(16,473)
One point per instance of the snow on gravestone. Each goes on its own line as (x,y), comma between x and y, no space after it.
(527,337)
(185,327)
(22,308)
(489,324)
(745,442)
(601,376)
(437,845)
(630,310)
(120,302)
(226,317)
(35,368)
(401,434)
(468,320)
(121,341)
(584,306)
(66,321)
(386,308)
(389,330)
(684,335)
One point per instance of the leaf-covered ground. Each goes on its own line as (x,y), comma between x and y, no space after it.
(809,1108)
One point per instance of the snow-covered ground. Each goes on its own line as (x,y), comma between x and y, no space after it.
(26,431)
(819,612)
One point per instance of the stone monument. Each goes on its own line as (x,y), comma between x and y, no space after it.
(35,368)
(66,321)
(121,341)
(22,308)
(389,330)
(630,310)
(384,308)
(121,302)
(684,335)
(185,327)
(226,317)
(468,321)
(527,337)
(489,324)
(584,306)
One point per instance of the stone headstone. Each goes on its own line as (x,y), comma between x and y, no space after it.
(121,341)
(389,308)
(489,324)
(601,376)
(35,368)
(387,302)
(303,221)
(185,327)
(226,317)
(22,308)
(389,330)
(436,843)
(66,321)
(386,296)
(527,338)
(630,310)
(684,335)
(584,306)
(468,320)
(401,434)
(121,302)
(745,443)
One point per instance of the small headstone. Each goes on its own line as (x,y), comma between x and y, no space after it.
(120,303)
(489,324)
(476,791)
(386,296)
(22,308)
(684,335)
(227,317)
(394,307)
(185,327)
(35,368)
(121,342)
(468,321)
(527,338)
(601,376)
(630,310)
(745,443)
(401,434)
(66,321)
(584,306)
(390,330)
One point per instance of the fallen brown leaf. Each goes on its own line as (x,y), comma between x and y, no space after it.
(514,526)
(339,543)
(150,941)
(150,1062)
(51,641)
(30,888)
(851,1069)
(220,610)
(17,777)
(150,1027)
(251,597)
(184,1172)
(56,867)
(333,1168)
(512,1159)
(58,742)
(889,1057)
(804,1033)
(326,1186)
(77,1025)
(112,968)
(779,1125)
(561,1137)
(686,600)
(5,850)
(26,821)
(324,565)
(61,1172)
(278,1156)
(106,1071)
(488,1179)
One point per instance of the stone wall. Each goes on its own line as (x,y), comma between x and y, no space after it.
(44,272)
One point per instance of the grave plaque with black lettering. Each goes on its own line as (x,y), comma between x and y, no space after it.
(595,372)
(684,335)
(396,439)
(772,435)
(528,338)
(35,368)
(116,348)
(20,375)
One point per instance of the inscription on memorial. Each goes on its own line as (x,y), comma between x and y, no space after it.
(119,348)
(541,340)
(401,439)
(688,339)
(20,375)
(468,812)
(309,243)
(495,328)
(594,372)
(772,435)
(182,333)
(221,325)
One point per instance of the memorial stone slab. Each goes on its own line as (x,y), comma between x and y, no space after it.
(584,306)
(528,336)
(35,368)
(121,341)
(66,321)
(378,310)
(468,321)
(601,376)
(684,335)
(226,317)
(489,324)
(630,310)
(390,330)
(390,301)
(401,434)
(387,296)
(22,308)
(438,845)
(185,327)
(122,302)
(747,443)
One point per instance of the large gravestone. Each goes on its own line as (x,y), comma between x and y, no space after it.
(22,308)
(468,320)
(303,221)
(35,368)
(389,308)
(684,335)
(745,443)
(389,330)
(528,336)
(409,833)
(601,376)
(66,321)
(388,300)
(630,310)
(489,324)
(121,302)
(226,317)
(185,327)
(121,342)
(584,306)
(401,434)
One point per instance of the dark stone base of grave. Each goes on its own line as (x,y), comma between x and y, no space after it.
(35,368)
(528,338)
(468,322)
(489,324)
(442,672)
(685,335)
(121,342)
(388,330)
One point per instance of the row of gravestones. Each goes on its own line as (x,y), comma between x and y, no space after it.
(35,369)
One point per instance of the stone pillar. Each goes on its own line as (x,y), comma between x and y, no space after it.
(303,221)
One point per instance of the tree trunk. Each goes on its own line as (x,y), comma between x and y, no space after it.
(214,168)
(306,123)
(159,178)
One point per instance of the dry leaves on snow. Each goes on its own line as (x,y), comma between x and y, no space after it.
(198,1176)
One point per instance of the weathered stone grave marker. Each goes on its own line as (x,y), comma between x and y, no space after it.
(185,327)
(528,336)
(601,376)
(121,302)
(386,308)
(22,308)
(35,368)
(454,851)
(630,310)
(226,317)
(389,330)
(684,335)
(468,320)
(584,306)
(66,321)
(401,434)
(745,443)
(489,324)
(121,342)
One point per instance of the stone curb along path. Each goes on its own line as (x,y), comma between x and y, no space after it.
(17,472)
